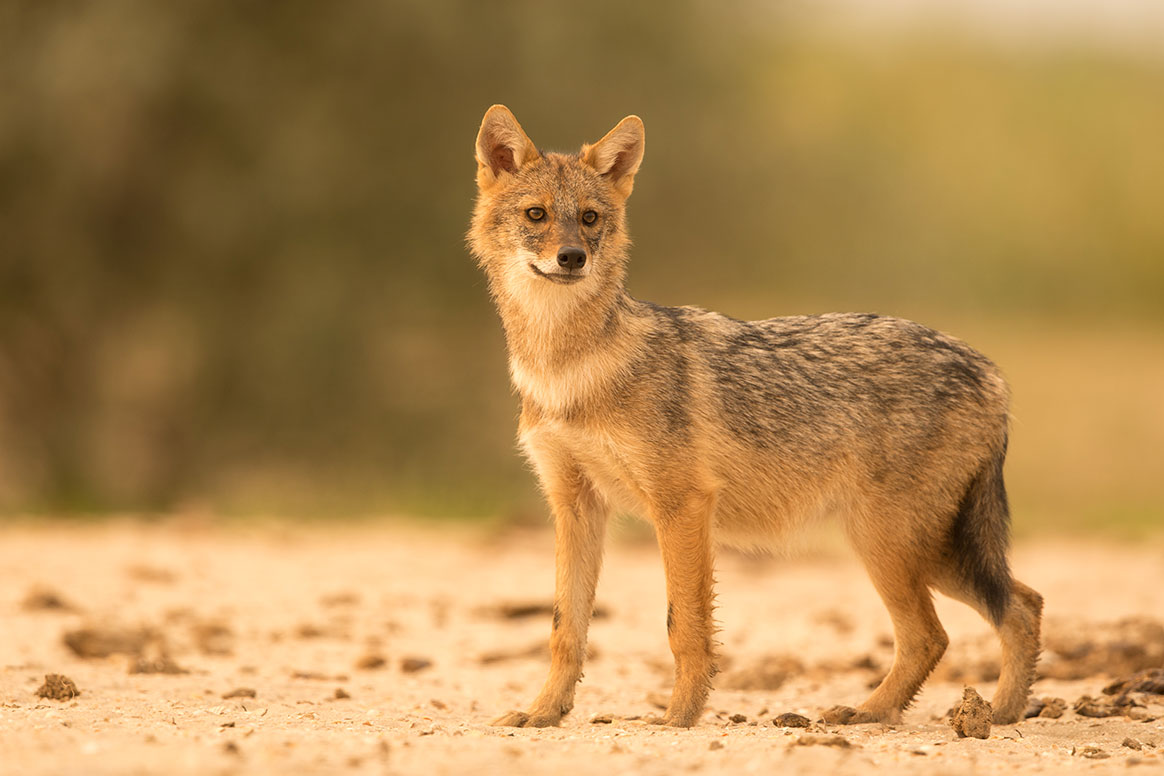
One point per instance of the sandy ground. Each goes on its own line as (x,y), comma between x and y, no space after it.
(321,625)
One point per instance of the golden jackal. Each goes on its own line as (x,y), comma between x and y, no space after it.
(716,429)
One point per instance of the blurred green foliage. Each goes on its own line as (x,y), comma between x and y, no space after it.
(232,270)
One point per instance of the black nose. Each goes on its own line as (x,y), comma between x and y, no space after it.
(570,257)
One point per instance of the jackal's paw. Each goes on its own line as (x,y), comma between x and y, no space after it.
(670,720)
(522,719)
(847,715)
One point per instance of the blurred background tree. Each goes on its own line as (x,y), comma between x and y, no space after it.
(232,270)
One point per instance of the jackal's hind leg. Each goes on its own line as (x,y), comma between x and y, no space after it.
(919,641)
(1018,631)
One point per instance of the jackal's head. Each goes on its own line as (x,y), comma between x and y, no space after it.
(551,228)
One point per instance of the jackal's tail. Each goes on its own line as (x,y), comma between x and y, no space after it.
(980,537)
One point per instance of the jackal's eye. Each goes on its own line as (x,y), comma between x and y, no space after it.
(589,217)
(535,214)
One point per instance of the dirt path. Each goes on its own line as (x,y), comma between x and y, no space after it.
(383,650)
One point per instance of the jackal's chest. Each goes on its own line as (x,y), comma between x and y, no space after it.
(608,461)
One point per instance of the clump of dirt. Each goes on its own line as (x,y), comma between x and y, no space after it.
(42,599)
(212,637)
(371,661)
(103,641)
(1087,706)
(319,676)
(791,719)
(770,673)
(410,665)
(341,694)
(1150,681)
(525,609)
(58,687)
(1121,705)
(160,664)
(240,692)
(1124,647)
(825,740)
(972,716)
(309,630)
(1048,708)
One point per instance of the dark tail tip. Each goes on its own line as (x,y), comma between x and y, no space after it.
(980,538)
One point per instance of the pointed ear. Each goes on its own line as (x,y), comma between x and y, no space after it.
(502,146)
(618,155)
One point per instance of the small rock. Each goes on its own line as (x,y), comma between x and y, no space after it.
(972,716)
(789,719)
(438,704)
(240,692)
(737,718)
(1132,743)
(411,665)
(231,748)
(1093,753)
(58,687)
(1034,708)
(341,694)
(601,719)
(715,745)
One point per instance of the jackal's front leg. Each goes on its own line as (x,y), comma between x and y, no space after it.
(685,542)
(580,525)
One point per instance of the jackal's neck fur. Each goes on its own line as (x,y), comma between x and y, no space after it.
(550,232)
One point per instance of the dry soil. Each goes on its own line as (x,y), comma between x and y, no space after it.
(199,649)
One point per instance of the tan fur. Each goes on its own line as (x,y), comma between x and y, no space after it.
(718,430)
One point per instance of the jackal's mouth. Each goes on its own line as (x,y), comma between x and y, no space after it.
(557,277)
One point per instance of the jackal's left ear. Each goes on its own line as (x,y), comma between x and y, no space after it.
(619,154)
(502,146)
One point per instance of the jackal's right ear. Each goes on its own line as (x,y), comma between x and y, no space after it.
(619,154)
(502,146)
